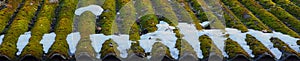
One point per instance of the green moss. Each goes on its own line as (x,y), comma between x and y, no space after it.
(198,10)
(60,46)
(246,16)
(283,47)
(136,48)
(134,34)
(107,18)
(186,6)
(63,28)
(289,7)
(232,48)
(256,46)
(205,45)
(6,13)
(19,26)
(163,8)
(267,17)
(120,3)
(109,46)
(148,22)
(41,27)
(232,21)
(282,14)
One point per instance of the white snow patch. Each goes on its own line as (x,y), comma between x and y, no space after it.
(72,40)
(123,44)
(97,41)
(264,39)
(291,41)
(191,35)
(218,37)
(95,9)
(1,39)
(22,41)
(47,41)
(239,37)
(205,24)
(165,35)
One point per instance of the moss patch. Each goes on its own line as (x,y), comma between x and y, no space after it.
(19,26)
(256,46)
(267,17)
(232,48)
(283,47)
(246,16)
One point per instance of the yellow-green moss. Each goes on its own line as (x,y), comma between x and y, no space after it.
(289,7)
(205,45)
(148,22)
(198,10)
(256,46)
(19,26)
(63,28)
(41,27)
(277,43)
(120,3)
(282,14)
(134,34)
(6,13)
(107,18)
(186,6)
(232,21)
(232,48)
(267,17)
(246,16)
(109,46)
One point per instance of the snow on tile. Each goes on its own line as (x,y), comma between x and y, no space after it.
(23,41)
(47,41)
(191,35)
(1,39)
(239,37)
(123,44)
(72,40)
(95,9)
(165,35)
